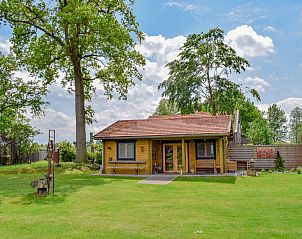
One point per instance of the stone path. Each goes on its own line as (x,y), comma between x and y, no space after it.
(160,179)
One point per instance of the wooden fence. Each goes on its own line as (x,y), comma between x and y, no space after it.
(265,155)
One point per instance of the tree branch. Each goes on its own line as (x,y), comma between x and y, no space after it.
(28,22)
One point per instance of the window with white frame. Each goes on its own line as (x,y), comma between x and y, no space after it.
(205,150)
(126,150)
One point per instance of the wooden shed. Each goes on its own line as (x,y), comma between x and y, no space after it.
(183,144)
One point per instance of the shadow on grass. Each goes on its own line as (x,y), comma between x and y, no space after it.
(119,177)
(16,188)
(222,179)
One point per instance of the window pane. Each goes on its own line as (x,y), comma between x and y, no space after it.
(122,150)
(201,150)
(210,149)
(130,150)
(126,150)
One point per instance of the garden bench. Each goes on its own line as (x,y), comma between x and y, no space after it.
(131,164)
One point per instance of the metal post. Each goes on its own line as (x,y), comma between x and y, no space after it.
(52,138)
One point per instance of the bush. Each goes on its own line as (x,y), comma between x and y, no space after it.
(67,152)
(299,170)
(279,162)
(96,156)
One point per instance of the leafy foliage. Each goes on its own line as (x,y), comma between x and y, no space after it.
(67,152)
(80,41)
(165,107)
(199,79)
(296,125)
(277,122)
(279,162)
(16,96)
(95,153)
(259,132)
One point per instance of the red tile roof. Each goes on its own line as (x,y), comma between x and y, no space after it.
(199,124)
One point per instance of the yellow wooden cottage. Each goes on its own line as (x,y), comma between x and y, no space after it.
(184,144)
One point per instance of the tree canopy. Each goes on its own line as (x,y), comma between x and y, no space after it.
(165,107)
(277,122)
(17,97)
(77,42)
(259,132)
(295,125)
(199,78)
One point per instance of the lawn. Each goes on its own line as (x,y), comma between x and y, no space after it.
(84,206)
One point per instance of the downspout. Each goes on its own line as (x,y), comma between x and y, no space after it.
(102,167)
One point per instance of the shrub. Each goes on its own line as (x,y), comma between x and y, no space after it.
(299,170)
(279,162)
(96,156)
(67,152)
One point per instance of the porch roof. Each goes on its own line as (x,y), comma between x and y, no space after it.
(197,125)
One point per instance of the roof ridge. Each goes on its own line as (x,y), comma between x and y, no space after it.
(177,116)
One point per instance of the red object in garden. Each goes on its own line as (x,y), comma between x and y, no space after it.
(266,153)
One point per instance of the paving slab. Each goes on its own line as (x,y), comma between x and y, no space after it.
(159,179)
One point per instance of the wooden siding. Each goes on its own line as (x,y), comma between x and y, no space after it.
(192,156)
(291,154)
(142,154)
(218,165)
(150,151)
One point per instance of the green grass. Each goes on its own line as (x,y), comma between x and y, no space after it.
(41,167)
(84,206)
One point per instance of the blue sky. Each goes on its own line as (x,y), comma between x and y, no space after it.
(279,20)
(267,33)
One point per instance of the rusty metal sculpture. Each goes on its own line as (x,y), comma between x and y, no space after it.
(43,185)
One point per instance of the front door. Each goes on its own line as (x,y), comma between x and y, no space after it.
(172,155)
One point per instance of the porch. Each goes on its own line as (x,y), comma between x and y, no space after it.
(188,156)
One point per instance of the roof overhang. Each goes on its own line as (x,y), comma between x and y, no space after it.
(161,136)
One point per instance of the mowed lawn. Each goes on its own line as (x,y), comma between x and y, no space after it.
(84,206)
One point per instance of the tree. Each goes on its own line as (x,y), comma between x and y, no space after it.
(165,107)
(259,132)
(248,113)
(15,94)
(295,125)
(200,77)
(277,122)
(18,136)
(79,41)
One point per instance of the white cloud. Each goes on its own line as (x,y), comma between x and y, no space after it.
(247,13)
(158,52)
(55,119)
(290,103)
(256,83)
(248,43)
(4,46)
(187,7)
(287,104)
(270,29)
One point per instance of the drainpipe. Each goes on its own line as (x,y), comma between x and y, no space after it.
(102,167)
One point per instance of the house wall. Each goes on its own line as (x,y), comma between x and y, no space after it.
(218,164)
(142,151)
(151,151)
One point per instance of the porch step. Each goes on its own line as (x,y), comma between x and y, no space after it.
(205,170)
(160,179)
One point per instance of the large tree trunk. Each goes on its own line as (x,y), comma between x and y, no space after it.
(81,154)
(211,96)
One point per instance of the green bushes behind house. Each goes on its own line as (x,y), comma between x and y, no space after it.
(67,152)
